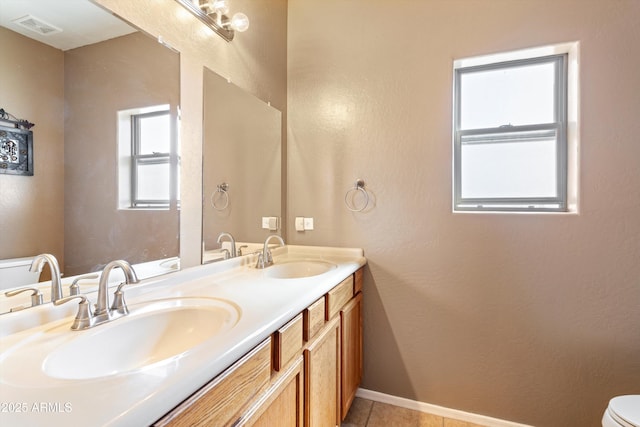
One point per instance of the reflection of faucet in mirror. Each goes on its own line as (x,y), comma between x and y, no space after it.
(85,199)
(265,259)
(36,296)
(56,284)
(102,312)
(231,239)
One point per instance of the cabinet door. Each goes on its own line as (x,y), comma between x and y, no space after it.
(351,361)
(282,404)
(322,377)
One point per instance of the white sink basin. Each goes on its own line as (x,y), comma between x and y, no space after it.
(152,333)
(141,340)
(298,269)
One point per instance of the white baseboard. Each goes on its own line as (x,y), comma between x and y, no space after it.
(435,409)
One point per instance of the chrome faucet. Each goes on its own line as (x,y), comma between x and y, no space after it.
(233,242)
(265,259)
(56,284)
(84,319)
(103,312)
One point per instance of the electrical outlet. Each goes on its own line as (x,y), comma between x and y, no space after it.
(308,223)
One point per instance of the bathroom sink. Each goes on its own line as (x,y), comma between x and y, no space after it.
(152,333)
(298,269)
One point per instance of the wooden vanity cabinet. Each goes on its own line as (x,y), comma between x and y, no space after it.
(305,374)
(333,358)
(222,400)
(351,354)
(322,377)
(282,404)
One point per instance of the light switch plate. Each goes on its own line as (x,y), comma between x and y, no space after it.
(270,223)
(299,223)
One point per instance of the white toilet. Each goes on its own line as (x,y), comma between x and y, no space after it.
(15,272)
(623,411)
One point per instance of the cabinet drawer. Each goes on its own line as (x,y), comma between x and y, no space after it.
(220,401)
(358,280)
(287,342)
(339,296)
(313,319)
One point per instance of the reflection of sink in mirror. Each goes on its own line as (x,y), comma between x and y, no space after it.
(88,284)
(66,96)
(298,269)
(159,331)
(171,263)
(23,300)
(212,256)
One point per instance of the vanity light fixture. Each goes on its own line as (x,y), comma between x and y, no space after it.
(213,13)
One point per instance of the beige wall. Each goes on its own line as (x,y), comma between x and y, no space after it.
(529,318)
(127,72)
(32,88)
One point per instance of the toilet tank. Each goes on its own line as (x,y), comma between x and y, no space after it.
(15,272)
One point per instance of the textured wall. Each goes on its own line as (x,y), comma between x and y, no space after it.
(32,88)
(529,318)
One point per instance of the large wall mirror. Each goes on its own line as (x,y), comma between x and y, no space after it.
(120,93)
(241,165)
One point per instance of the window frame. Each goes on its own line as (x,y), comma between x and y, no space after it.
(147,159)
(559,126)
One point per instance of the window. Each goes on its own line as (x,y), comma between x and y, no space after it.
(510,135)
(147,174)
(150,153)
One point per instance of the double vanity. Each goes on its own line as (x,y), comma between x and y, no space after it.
(219,344)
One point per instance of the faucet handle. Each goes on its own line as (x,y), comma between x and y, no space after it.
(84,319)
(260,262)
(240,249)
(36,296)
(119,305)
(74,289)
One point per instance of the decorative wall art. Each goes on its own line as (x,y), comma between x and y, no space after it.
(16,145)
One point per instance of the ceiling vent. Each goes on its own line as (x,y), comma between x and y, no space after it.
(37,25)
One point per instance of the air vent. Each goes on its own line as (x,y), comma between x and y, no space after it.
(37,25)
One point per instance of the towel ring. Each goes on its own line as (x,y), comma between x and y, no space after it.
(358,187)
(222,189)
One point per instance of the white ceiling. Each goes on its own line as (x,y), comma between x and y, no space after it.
(82,22)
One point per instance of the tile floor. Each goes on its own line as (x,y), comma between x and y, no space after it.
(367,413)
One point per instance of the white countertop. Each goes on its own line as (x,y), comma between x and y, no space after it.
(142,396)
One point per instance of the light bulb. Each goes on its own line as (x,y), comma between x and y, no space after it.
(240,22)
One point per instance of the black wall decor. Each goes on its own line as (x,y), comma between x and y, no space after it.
(16,145)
